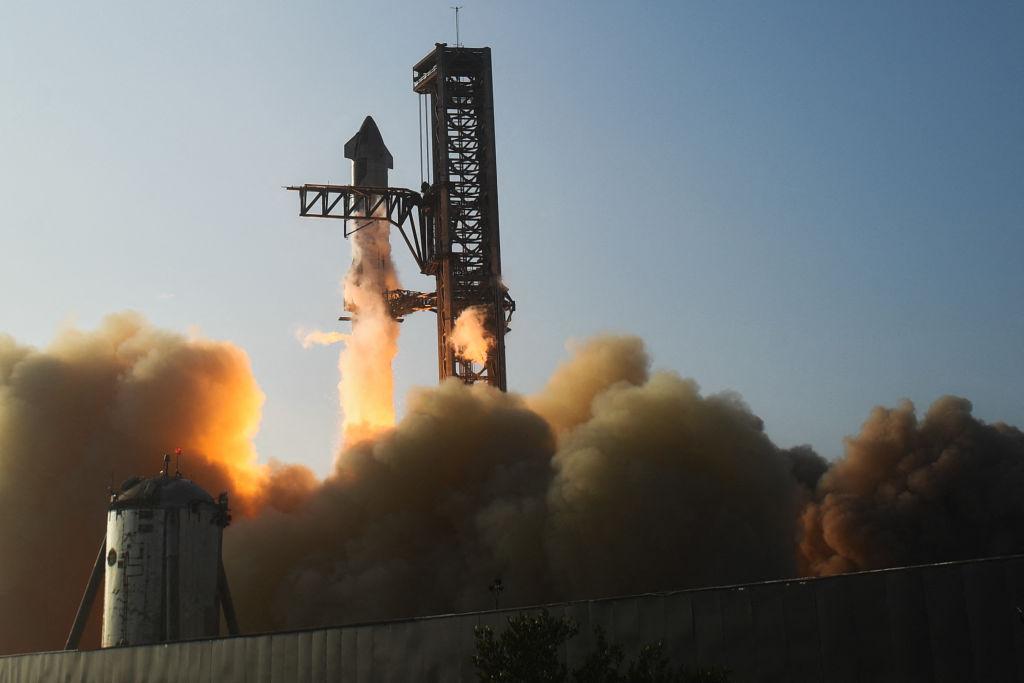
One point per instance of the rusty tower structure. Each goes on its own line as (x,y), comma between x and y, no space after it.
(451,224)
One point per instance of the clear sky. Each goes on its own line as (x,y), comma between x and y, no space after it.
(819,205)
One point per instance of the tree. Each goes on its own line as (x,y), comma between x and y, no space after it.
(528,652)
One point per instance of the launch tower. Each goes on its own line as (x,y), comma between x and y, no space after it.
(451,225)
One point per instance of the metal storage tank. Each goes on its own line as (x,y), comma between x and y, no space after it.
(163,577)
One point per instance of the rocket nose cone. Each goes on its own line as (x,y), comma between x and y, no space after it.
(368,145)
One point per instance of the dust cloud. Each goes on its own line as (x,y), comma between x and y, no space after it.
(613,479)
(610,480)
(908,491)
(89,411)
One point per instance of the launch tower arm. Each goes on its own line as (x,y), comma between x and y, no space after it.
(359,207)
(402,302)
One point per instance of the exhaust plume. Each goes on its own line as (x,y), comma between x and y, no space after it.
(366,387)
(470,338)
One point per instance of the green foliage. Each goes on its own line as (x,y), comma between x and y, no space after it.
(528,652)
(652,666)
(715,674)
(601,665)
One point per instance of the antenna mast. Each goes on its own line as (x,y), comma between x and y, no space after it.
(457,8)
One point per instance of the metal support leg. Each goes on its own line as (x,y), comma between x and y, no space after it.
(90,594)
(226,603)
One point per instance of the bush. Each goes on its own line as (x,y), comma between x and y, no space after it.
(528,652)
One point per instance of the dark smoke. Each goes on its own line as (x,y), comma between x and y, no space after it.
(947,487)
(612,480)
(615,482)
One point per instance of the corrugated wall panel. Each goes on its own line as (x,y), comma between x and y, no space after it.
(577,649)
(602,614)
(286,650)
(838,637)
(258,662)
(203,666)
(181,662)
(50,668)
(992,619)
(141,658)
(364,654)
(349,656)
(304,657)
(399,669)
(69,667)
(1014,575)
(278,674)
(948,625)
(466,646)
(27,668)
(155,660)
(626,617)
(707,624)
(383,646)
(435,642)
(680,639)
(318,656)
(652,619)
(769,632)
(175,664)
(803,641)
(17,669)
(738,646)
(909,637)
(417,654)
(955,622)
(334,657)
(228,661)
(870,618)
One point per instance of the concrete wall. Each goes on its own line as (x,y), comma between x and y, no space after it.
(946,622)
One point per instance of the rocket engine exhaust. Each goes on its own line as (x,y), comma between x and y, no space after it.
(366,383)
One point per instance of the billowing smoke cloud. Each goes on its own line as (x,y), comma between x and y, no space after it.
(93,409)
(366,384)
(621,483)
(311,338)
(612,479)
(947,487)
(407,523)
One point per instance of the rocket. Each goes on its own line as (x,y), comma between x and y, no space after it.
(371,161)
(370,157)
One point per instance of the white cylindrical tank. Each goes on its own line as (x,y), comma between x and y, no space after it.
(163,562)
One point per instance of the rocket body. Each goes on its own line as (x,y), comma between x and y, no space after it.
(371,159)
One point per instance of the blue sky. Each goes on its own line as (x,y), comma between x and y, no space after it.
(819,205)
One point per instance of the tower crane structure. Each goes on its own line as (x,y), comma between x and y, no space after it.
(451,224)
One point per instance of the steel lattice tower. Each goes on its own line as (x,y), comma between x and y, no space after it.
(458,82)
(451,226)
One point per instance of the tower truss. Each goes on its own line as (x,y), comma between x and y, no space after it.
(451,226)
(458,83)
